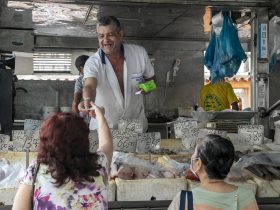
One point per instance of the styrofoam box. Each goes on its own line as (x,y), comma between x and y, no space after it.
(146,189)
(19,157)
(275,185)
(14,157)
(264,188)
(7,195)
(112,190)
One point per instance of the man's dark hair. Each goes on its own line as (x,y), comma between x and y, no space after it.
(80,61)
(109,20)
(217,156)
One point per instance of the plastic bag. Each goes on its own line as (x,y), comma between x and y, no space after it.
(10,173)
(274,41)
(231,48)
(171,165)
(268,159)
(127,166)
(237,174)
(121,158)
(264,158)
(210,51)
(224,54)
(164,164)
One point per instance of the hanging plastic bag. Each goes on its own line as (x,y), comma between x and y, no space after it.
(224,54)
(274,42)
(233,53)
(210,51)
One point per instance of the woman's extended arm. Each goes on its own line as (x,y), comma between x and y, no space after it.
(104,133)
(23,198)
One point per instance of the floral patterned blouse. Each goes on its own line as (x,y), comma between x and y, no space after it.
(72,195)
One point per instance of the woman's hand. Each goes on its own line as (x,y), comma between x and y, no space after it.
(90,108)
(84,107)
(97,111)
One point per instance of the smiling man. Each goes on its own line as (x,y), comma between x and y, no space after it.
(112,74)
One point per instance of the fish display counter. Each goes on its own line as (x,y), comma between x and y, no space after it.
(145,163)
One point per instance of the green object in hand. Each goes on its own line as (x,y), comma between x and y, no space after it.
(148,86)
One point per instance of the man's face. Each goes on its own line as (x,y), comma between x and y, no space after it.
(109,39)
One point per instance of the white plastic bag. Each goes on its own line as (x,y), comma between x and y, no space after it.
(11,173)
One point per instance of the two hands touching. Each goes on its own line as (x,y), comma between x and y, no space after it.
(90,108)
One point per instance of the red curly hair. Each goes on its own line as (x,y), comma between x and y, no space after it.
(64,147)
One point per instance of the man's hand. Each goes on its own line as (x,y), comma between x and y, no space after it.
(146,80)
(144,93)
(87,108)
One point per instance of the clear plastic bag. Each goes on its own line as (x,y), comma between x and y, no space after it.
(171,165)
(121,158)
(263,158)
(164,164)
(10,173)
(257,158)
(237,174)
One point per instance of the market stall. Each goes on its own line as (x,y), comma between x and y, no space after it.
(144,164)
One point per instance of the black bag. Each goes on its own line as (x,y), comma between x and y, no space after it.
(183,195)
(33,183)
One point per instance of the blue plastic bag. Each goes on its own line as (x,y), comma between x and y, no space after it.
(224,54)
(210,51)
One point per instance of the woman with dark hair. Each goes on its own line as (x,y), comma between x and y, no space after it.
(211,162)
(66,175)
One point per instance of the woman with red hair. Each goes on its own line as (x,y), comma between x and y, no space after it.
(66,174)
